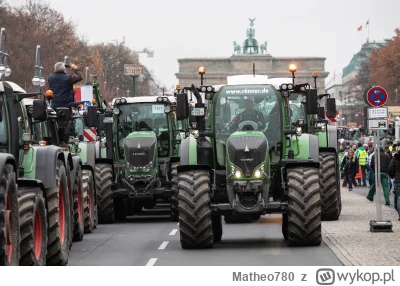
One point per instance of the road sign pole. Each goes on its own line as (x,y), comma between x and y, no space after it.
(378,185)
(133,86)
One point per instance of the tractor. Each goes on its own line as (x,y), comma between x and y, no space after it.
(239,165)
(146,152)
(34,199)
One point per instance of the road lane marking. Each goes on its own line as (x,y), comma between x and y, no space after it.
(151,262)
(173,231)
(163,245)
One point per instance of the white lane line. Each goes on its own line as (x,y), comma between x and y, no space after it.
(173,231)
(163,245)
(151,262)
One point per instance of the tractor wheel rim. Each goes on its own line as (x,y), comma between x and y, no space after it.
(61,207)
(79,204)
(9,230)
(90,202)
(37,234)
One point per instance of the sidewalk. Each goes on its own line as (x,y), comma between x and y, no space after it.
(351,240)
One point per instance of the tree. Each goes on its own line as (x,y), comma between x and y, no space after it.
(384,67)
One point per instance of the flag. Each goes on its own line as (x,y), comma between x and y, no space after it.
(359,28)
(366,24)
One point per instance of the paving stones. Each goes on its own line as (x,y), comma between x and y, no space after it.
(351,240)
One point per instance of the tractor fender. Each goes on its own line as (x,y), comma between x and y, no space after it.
(46,162)
(23,182)
(329,149)
(88,167)
(172,160)
(188,151)
(91,154)
(184,168)
(6,158)
(76,160)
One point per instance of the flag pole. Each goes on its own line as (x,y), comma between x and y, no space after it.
(368,30)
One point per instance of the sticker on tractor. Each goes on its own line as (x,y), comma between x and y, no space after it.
(238,110)
(158,108)
(90,135)
(197,112)
(108,120)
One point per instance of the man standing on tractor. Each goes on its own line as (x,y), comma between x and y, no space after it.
(362,155)
(62,85)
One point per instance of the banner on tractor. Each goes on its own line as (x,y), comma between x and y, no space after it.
(84,93)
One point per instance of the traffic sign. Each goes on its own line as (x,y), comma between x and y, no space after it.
(377,96)
(378,124)
(133,70)
(377,112)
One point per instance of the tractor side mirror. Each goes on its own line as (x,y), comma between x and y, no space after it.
(311,101)
(331,107)
(1,109)
(182,106)
(40,110)
(321,112)
(92,117)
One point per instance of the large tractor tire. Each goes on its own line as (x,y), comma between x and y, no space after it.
(328,181)
(217,227)
(304,207)
(174,193)
(58,219)
(89,195)
(9,218)
(33,226)
(195,220)
(78,205)
(70,204)
(105,202)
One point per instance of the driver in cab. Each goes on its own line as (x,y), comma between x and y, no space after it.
(248,114)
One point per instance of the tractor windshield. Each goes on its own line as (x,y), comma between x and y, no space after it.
(144,117)
(247,107)
(296,107)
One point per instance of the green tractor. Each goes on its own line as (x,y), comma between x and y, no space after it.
(146,152)
(245,157)
(34,183)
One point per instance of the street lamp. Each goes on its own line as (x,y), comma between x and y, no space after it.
(202,71)
(117,91)
(315,75)
(293,69)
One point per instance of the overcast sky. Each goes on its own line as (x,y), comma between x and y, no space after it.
(206,28)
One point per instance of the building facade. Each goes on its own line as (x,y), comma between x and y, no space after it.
(241,63)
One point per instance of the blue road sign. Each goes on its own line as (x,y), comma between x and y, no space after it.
(377,96)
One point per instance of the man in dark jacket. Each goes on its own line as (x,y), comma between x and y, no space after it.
(394,173)
(384,161)
(350,167)
(249,114)
(62,85)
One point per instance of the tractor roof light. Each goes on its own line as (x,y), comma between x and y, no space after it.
(123,101)
(292,68)
(117,101)
(116,111)
(298,131)
(7,72)
(49,94)
(27,137)
(202,70)
(178,86)
(314,74)
(284,86)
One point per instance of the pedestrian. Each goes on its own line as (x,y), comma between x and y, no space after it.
(350,168)
(384,162)
(394,173)
(62,85)
(341,156)
(361,155)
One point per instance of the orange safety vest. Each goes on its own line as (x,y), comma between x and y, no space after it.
(359,174)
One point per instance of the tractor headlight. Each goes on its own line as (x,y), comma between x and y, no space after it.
(123,101)
(116,111)
(259,172)
(236,173)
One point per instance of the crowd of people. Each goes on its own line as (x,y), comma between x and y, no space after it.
(358,167)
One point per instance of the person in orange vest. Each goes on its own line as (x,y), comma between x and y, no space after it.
(362,156)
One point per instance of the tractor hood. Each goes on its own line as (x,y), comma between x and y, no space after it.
(140,148)
(247,150)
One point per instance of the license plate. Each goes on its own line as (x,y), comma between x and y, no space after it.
(197,111)
(108,120)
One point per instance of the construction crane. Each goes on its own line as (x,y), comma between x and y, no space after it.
(149,53)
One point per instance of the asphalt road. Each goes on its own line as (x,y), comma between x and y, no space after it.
(152,240)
